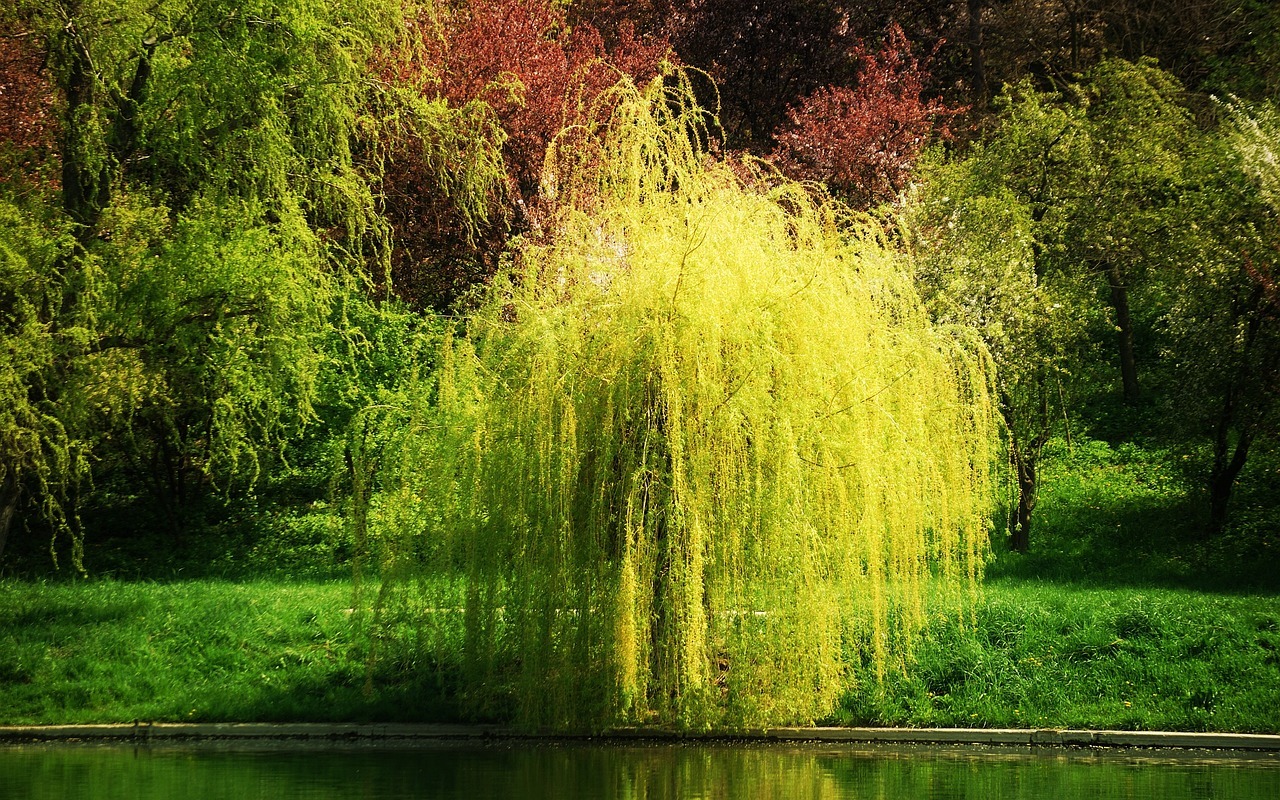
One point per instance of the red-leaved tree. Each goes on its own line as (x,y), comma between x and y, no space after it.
(26,94)
(863,141)
(522,58)
(538,75)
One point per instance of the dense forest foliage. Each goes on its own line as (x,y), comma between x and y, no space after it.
(240,239)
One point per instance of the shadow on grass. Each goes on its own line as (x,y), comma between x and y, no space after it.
(66,615)
(30,607)
(322,698)
(219,540)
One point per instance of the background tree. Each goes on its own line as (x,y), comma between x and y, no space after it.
(1208,45)
(974,246)
(220,220)
(1126,195)
(1037,237)
(763,58)
(767,57)
(1221,330)
(1146,231)
(41,457)
(863,142)
(35,446)
(1101,170)
(535,74)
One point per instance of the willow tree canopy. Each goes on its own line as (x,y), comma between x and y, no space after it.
(697,456)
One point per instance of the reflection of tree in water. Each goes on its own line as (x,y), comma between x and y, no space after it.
(569,771)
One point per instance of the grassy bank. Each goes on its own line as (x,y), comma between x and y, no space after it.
(1046,655)
(1035,655)
(204,650)
(1124,615)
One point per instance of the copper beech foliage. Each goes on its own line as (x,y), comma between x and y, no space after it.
(863,141)
(26,94)
(540,70)
(538,75)
(536,72)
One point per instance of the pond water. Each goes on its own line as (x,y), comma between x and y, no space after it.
(520,770)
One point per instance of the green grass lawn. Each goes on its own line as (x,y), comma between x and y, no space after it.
(204,650)
(1063,656)
(1034,654)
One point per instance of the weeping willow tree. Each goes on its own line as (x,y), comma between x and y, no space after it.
(695,456)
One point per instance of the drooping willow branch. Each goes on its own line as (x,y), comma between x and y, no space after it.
(626,475)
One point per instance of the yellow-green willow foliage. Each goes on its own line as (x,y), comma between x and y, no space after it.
(696,456)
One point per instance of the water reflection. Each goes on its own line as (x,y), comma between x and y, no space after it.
(473,771)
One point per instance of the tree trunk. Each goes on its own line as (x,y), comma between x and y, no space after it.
(1229,460)
(85,181)
(1025,463)
(1074,24)
(86,176)
(1124,327)
(1222,478)
(9,492)
(977,65)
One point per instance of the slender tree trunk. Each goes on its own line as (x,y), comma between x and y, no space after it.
(85,182)
(1025,464)
(9,492)
(1026,458)
(977,62)
(1124,326)
(1073,21)
(1228,461)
